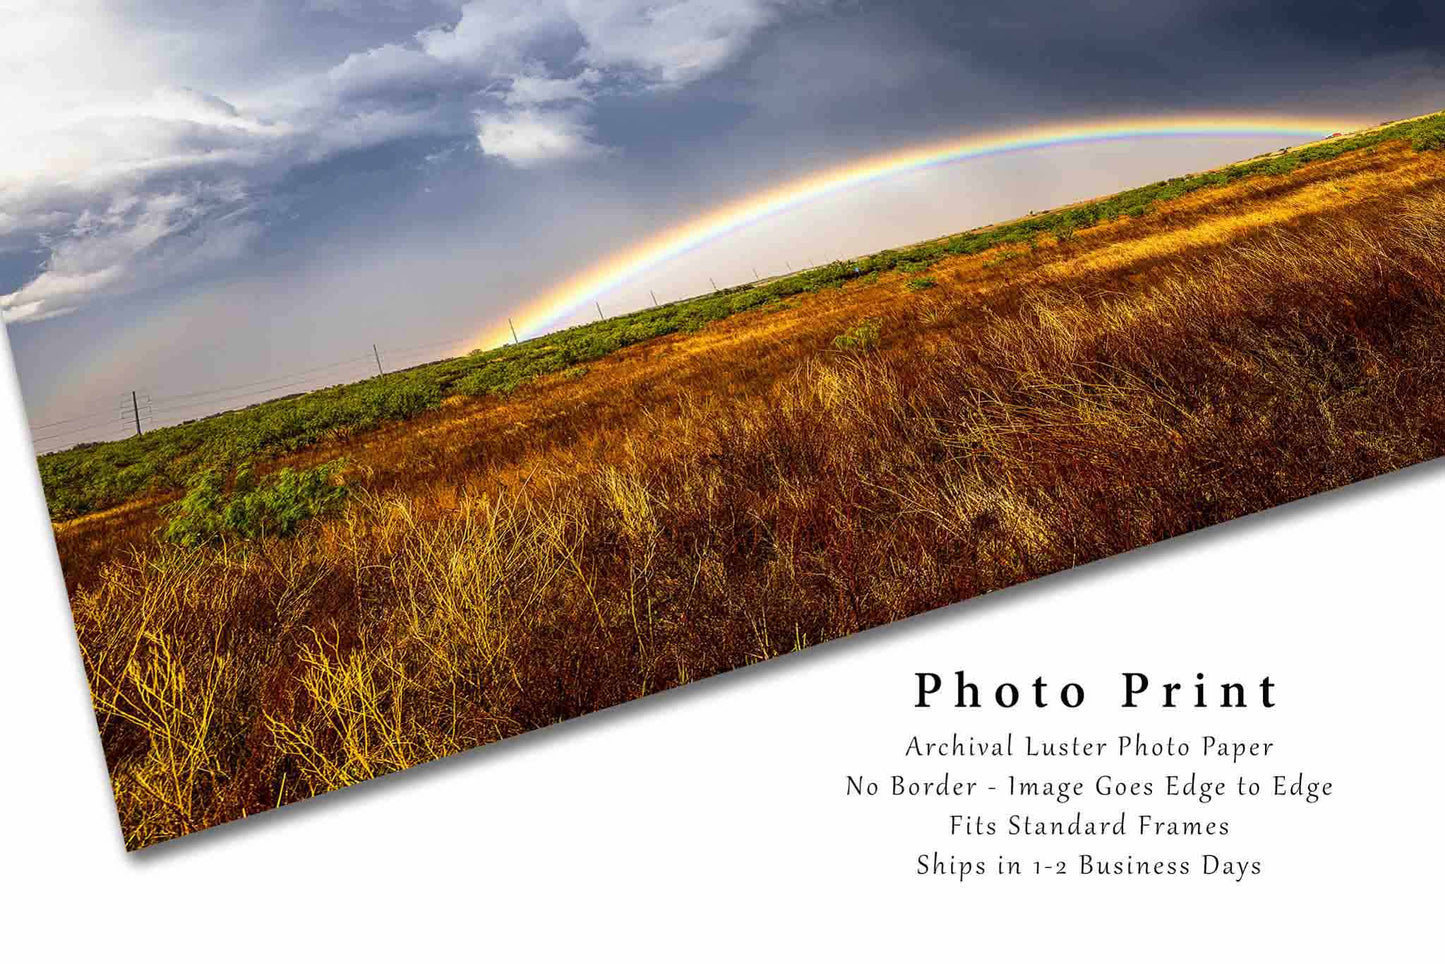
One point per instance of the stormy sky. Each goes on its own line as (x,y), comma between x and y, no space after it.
(196,194)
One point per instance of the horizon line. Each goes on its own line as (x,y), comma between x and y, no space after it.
(538,315)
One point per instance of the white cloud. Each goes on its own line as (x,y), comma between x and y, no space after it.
(381,69)
(535,88)
(125,163)
(55,293)
(135,241)
(530,137)
(673,42)
(497,33)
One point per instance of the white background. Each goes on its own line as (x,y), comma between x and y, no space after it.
(712,821)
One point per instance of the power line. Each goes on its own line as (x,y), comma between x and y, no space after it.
(118,422)
(259,383)
(118,413)
(75,418)
(119,425)
(143,410)
(433,344)
(275,378)
(206,403)
(406,352)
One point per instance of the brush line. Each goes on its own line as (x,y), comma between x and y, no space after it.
(596,282)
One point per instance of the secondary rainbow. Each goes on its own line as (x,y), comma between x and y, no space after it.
(593,284)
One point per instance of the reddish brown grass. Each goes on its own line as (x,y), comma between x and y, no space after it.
(697,503)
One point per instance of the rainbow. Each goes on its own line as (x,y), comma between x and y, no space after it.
(592,284)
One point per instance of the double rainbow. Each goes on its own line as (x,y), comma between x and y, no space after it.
(579,291)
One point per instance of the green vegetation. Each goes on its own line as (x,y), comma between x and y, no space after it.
(921,284)
(96,476)
(1429,138)
(253,508)
(88,478)
(1001,258)
(860,338)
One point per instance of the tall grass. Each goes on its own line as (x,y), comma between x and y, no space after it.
(971,448)
(93,477)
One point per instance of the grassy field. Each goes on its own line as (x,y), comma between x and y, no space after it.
(537,542)
(92,477)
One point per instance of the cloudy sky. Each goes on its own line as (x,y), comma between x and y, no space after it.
(203,193)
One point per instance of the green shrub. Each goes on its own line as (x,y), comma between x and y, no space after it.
(406,399)
(1429,139)
(252,508)
(1002,257)
(861,338)
(488,382)
(921,284)
(90,477)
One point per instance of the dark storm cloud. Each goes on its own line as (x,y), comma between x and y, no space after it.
(866,76)
(160,146)
(1196,32)
(269,98)
(1350,27)
(173,150)
(1035,56)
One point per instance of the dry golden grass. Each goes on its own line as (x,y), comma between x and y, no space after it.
(693,504)
(495,436)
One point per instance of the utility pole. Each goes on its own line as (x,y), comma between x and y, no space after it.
(756,275)
(599,310)
(654,297)
(714,283)
(135,409)
(378,359)
(514,332)
(790,266)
